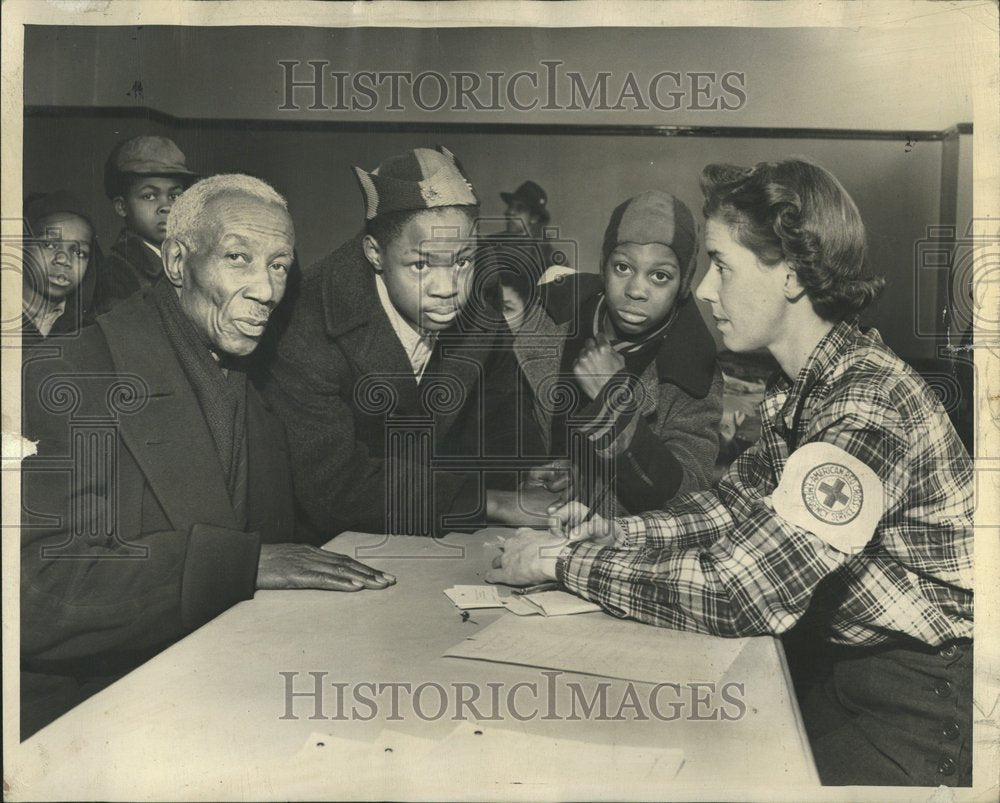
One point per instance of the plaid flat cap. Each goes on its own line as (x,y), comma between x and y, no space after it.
(145,156)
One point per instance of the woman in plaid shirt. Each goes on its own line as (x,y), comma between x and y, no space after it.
(850,519)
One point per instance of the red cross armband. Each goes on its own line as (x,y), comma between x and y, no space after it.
(832,495)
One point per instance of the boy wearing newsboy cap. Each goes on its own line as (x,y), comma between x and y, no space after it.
(396,355)
(143,176)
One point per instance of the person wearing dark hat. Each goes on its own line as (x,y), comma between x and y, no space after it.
(395,355)
(60,265)
(640,366)
(527,214)
(527,257)
(143,176)
(527,210)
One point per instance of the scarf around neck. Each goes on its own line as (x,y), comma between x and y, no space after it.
(221,392)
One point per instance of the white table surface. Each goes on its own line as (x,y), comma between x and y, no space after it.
(203,719)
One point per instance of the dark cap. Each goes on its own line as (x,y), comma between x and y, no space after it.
(655,217)
(532,196)
(419,179)
(41,205)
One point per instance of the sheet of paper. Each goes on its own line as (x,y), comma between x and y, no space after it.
(519,605)
(560,603)
(547,603)
(602,645)
(472,597)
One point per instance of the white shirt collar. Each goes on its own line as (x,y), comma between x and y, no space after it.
(417,345)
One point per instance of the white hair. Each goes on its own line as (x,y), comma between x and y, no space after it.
(187,216)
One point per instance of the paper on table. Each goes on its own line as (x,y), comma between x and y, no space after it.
(547,603)
(520,606)
(596,645)
(558,603)
(472,597)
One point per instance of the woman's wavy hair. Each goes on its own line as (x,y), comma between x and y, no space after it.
(797,211)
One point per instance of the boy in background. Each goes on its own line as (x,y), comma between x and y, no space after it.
(61,259)
(143,177)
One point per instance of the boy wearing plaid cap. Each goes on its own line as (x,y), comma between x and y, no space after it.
(850,518)
(396,355)
(143,176)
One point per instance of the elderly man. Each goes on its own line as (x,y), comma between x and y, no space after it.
(177,502)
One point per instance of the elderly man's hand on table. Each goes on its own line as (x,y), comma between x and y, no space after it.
(284,566)
(526,558)
(525,507)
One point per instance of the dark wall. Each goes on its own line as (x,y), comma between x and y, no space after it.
(897,189)
(832,76)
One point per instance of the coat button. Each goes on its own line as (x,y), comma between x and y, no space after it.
(951,730)
(946,766)
(949,652)
(942,688)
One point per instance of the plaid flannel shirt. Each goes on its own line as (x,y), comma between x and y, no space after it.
(724,562)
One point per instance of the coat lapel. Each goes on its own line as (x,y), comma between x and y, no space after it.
(168,436)
(270,509)
(460,360)
(686,357)
(356,321)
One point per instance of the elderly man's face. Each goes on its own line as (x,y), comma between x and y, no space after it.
(235,274)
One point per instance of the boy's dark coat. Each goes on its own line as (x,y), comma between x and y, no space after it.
(130,266)
(341,382)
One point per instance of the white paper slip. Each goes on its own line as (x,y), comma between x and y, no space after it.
(519,605)
(604,646)
(472,597)
(558,603)
(546,603)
